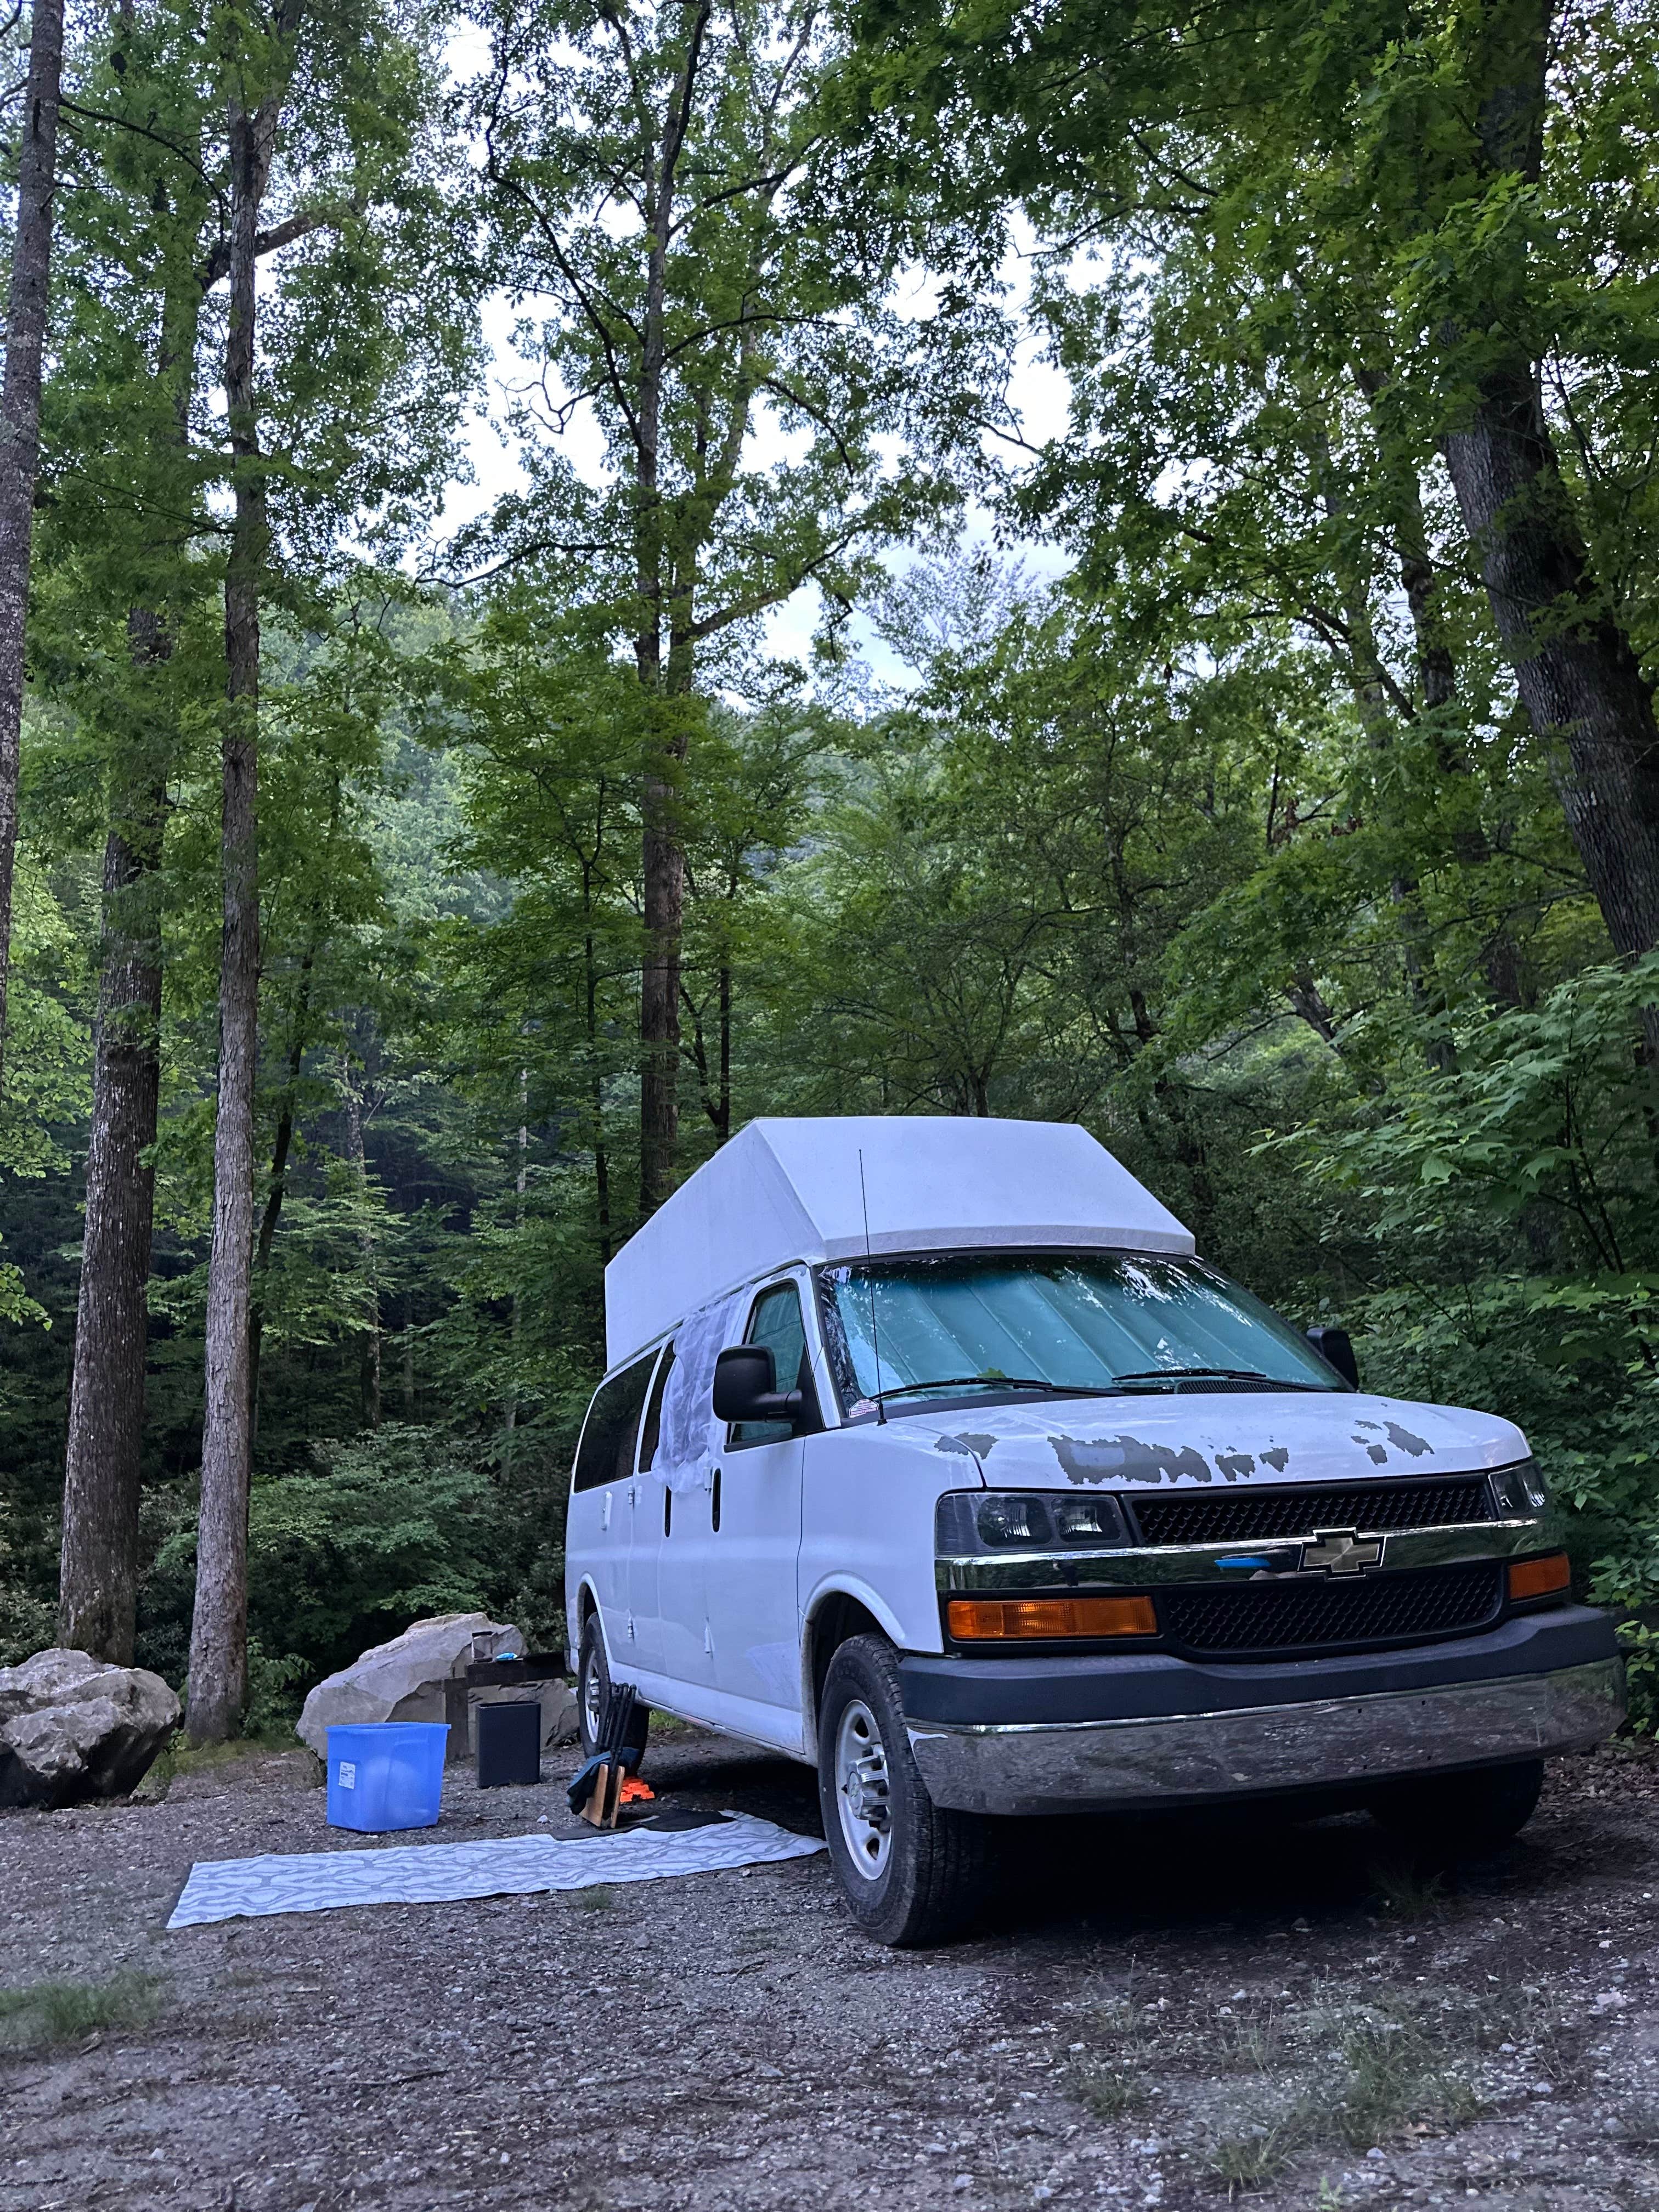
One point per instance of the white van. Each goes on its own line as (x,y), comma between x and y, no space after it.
(930,1454)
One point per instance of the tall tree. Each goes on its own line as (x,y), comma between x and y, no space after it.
(1420,145)
(218,1637)
(20,420)
(644,167)
(151,222)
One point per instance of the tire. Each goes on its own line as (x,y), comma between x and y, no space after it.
(1461,1816)
(593,1690)
(910,1872)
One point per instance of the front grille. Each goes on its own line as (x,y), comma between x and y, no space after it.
(1383,1608)
(1249,1515)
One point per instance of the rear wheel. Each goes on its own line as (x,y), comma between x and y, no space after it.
(593,1690)
(1461,1816)
(910,1872)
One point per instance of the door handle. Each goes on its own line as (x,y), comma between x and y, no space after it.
(714,1504)
(667,1510)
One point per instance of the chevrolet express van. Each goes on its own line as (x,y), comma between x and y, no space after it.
(931,1454)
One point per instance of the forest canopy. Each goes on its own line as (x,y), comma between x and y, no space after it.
(564,612)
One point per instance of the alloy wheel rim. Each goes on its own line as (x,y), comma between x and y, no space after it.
(863,1795)
(593,1698)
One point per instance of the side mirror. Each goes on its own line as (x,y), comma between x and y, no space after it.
(1336,1348)
(747,1387)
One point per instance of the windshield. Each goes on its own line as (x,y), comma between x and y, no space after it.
(1111,1323)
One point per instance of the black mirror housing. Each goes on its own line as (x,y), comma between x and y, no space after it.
(747,1387)
(1336,1348)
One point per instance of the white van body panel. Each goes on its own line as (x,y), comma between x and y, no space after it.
(867,1520)
(1221,1436)
(816,1190)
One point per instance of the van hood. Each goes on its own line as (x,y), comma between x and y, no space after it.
(1281,1436)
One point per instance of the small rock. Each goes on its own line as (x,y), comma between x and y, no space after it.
(1376,2155)
(961,2181)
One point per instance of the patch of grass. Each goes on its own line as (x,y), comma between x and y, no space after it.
(178,1755)
(1407,1891)
(670,1724)
(1395,2075)
(1257,2156)
(48,2012)
(1110,2095)
(599,1897)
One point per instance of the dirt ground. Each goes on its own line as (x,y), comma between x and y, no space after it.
(1154,2013)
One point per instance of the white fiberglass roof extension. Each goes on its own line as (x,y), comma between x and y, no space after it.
(783,1191)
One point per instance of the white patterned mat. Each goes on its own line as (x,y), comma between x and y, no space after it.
(508,1866)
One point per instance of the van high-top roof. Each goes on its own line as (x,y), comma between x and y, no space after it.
(783,1191)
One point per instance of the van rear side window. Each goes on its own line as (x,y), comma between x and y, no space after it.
(606,1451)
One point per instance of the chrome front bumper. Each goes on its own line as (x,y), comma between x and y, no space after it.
(1326,1743)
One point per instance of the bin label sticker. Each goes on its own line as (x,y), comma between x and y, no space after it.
(347,1774)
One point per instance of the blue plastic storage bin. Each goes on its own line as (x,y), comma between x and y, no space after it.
(386,1774)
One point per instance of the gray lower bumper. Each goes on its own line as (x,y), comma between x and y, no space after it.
(1329,1743)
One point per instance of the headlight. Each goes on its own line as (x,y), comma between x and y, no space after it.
(1520,1489)
(1028,1520)
(1013,1519)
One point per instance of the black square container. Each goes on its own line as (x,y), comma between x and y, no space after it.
(509,1744)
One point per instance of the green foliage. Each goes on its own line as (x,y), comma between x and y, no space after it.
(377,1532)
(1233,845)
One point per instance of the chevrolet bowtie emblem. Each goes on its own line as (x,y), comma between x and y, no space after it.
(1341,1552)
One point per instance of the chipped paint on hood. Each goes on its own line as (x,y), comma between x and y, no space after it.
(1149,1442)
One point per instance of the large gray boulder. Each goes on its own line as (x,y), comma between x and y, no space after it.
(72,1727)
(406,1680)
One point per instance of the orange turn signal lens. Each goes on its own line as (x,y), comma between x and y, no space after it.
(1538,1577)
(975,1620)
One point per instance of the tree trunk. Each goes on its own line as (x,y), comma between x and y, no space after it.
(19,423)
(520,1184)
(1575,670)
(98,1585)
(218,1641)
(276,1188)
(723,1119)
(596,1100)
(659,989)
(664,861)
(98,1571)
(368,1365)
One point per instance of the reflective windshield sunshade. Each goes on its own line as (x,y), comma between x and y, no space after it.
(1034,1326)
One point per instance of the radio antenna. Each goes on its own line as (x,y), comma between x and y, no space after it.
(875,1340)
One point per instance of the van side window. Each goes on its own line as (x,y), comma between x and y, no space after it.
(775,1321)
(652,1431)
(605,1453)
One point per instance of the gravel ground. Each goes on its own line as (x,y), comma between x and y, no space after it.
(1154,2013)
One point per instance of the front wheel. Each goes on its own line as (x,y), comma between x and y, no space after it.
(593,1692)
(1461,1816)
(910,1872)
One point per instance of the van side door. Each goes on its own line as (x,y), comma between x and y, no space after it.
(754,1542)
(647,1528)
(600,1530)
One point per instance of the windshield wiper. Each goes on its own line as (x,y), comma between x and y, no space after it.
(994,1381)
(1220,1374)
